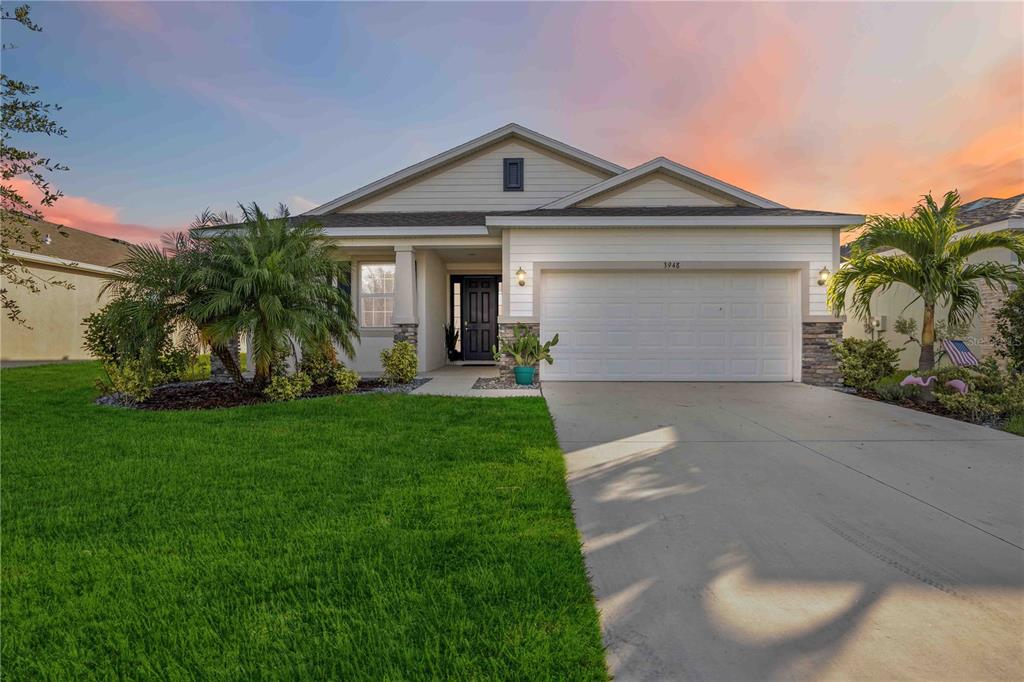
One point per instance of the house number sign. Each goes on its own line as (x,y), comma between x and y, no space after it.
(671,265)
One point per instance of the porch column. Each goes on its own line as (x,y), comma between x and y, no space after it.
(403,316)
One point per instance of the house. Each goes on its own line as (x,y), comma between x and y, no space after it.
(981,215)
(53,316)
(654,273)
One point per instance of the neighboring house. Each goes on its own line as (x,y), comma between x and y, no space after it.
(53,316)
(981,215)
(655,273)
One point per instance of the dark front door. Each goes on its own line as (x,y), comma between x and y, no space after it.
(479,316)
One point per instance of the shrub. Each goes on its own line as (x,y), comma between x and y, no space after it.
(889,389)
(400,363)
(284,388)
(1009,337)
(346,379)
(128,379)
(1012,396)
(862,363)
(976,407)
(319,365)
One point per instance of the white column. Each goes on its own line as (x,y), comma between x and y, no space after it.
(405,286)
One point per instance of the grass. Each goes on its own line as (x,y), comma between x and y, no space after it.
(360,537)
(1015,425)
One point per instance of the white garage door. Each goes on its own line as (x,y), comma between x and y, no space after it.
(670,326)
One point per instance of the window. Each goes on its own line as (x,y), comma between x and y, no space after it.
(513,175)
(376,294)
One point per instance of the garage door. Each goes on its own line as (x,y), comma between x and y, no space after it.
(670,326)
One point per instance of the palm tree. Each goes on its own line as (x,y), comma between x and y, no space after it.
(273,279)
(927,257)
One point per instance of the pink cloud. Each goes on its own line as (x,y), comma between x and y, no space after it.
(85,214)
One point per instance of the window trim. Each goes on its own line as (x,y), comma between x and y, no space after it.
(507,163)
(360,296)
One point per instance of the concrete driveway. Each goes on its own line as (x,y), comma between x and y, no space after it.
(763,531)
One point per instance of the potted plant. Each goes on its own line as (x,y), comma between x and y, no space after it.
(451,337)
(526,351)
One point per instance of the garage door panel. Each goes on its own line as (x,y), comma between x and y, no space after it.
(670,326)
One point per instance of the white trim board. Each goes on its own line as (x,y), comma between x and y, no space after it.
(42,259)
(453,154)
(673,169)
(675,221)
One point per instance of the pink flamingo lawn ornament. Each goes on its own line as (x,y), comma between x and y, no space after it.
(957,385)
(911,380)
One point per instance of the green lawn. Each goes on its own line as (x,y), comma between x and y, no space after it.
(363,537)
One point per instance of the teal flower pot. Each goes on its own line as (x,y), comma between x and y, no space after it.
(524,375)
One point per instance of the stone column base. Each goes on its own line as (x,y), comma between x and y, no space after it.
(406,331)
(507,332)
(820,367)
(217,369)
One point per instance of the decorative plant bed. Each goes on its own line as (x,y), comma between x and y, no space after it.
(502,383)
(206,395)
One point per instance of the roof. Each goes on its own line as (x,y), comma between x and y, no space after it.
(79,246)
(984,211)
(463,150)
(478,218)
(988,210)
(661,164)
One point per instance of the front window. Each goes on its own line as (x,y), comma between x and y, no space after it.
(376,294)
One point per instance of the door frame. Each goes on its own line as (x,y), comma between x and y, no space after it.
(458,279)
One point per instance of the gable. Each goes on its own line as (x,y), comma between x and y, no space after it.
(476,182)
(654,190)
(690,181)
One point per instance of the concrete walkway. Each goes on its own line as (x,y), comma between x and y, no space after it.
(456,380)
(779,531)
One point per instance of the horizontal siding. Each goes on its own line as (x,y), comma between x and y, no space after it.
(476,183)
(527,247)
(655,190)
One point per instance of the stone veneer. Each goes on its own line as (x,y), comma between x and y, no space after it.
(507,332)
(217,368)
(406,331)
(820,367)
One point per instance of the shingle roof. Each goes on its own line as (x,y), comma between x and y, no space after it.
(993,211)
(78,246)
(478,218)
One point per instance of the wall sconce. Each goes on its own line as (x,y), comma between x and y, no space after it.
(521,277)
(823,276)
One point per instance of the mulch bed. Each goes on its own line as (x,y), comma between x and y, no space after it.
(931,407)
(207,395)
(491,383)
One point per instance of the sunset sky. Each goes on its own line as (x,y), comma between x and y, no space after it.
(175,107)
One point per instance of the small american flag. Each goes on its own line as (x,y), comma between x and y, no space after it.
(959,353)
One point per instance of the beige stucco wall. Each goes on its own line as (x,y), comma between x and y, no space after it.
(899,302)
(54,315)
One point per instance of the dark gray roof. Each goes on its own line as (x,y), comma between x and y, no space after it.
(983,212)
(701,211)
(478,218)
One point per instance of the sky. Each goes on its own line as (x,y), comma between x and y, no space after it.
(175,107)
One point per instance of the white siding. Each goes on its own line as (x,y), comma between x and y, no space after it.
(527,246)
(476,183)
(656,189)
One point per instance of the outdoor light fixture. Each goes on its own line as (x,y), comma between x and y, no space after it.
(47,239)
(521,277)
(823,276)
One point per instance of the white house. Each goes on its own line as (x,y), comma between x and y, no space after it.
(655,273)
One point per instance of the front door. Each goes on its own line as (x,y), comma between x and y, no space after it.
(479,316)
